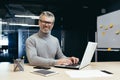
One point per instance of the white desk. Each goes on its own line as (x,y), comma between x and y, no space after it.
(6,72)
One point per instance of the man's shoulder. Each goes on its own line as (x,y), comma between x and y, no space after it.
(53,37)
(33,36)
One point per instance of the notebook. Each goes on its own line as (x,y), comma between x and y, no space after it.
(86,60)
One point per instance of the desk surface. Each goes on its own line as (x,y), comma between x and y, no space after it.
(6,72)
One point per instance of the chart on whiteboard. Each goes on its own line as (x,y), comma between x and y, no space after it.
(108,30)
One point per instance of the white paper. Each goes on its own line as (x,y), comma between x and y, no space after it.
(86,73)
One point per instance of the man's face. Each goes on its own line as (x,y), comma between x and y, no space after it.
(46,24)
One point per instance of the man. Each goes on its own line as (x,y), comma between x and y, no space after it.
(42,48)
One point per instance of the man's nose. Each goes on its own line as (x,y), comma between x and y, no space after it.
(46,24)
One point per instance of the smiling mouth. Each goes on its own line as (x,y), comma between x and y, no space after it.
(46,28)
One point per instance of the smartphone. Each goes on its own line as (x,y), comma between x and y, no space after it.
(44,72)
(106,72)
(39,67)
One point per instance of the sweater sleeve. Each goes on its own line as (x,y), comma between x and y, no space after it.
(32,57)
(59,51)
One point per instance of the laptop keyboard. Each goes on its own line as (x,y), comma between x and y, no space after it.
(74,64)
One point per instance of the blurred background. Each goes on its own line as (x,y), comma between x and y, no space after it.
(75,25)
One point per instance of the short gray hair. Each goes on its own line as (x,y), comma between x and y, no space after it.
(48,14)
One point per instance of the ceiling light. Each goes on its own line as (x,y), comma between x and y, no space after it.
(3,22)
(16,24)
(25,16)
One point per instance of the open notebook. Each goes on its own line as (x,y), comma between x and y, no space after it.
(87,57)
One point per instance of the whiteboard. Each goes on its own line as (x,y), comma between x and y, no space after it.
(108,30)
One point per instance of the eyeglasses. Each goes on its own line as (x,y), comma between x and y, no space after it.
(46,22)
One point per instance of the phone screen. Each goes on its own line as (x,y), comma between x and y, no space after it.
(44,71)
(106,72)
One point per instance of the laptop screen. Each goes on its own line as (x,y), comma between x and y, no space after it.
(87,57)
(88,54)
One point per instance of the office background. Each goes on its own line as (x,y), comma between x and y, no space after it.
(75,25)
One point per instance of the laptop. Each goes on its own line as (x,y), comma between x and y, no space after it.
(86,60)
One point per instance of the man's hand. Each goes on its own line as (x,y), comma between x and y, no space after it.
(67,61)
(64,61)
(74,60)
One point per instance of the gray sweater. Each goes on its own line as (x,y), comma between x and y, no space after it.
(42,49)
